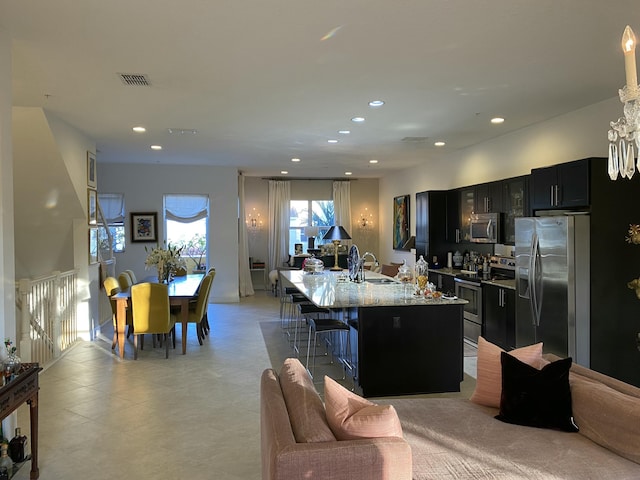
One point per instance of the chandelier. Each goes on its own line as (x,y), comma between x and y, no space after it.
(624,135)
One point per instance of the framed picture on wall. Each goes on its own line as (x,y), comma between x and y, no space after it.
(92,207)
(400,221)
(92,171)
(93,245)
(144,227)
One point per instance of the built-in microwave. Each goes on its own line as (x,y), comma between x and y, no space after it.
(485,227)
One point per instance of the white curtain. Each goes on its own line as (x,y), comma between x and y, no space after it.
(342,204)
(244,272)
(186,208)
(279,199)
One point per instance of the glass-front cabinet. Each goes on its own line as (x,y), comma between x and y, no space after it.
(467,206)
(515,205)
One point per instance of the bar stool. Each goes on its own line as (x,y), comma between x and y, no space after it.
(305,312)
(326,325)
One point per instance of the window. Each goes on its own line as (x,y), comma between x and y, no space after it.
(112,207)
(322,216)
(186,219)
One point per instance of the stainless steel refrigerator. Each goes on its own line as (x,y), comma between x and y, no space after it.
(552,284)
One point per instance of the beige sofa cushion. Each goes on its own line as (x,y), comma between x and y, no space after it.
(489,377)
(306,410)
(351,416)
(607,417)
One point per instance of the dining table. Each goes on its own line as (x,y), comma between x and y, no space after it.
(181,290)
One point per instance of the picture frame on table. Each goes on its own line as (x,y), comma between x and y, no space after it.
(144,227)
(92,206)
(93,245)
(92,170)
(400,222)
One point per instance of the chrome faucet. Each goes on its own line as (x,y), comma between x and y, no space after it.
(376,264)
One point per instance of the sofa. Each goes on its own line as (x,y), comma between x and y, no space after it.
(453,438)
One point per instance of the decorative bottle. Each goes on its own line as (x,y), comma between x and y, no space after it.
(16,447)
(422,275)
(5,461)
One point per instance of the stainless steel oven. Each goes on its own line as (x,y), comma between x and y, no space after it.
(471,291)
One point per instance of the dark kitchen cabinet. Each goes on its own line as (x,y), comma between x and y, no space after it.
(431,213)
(487,197)
(515,204)
(467,207)
(561,186)
(444,283)
(499,315)
(452,231)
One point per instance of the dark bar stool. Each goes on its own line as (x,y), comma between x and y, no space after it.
(326,325)
(305,312)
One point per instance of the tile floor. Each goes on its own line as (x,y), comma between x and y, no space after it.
(193,416)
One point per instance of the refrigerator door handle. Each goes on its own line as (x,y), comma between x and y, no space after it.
(533,302)
(536,274)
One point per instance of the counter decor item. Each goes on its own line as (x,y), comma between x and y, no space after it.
(422,275)
(11,362)
(16,447)
(313,265)
(166,260)
(457,259)
(5,461)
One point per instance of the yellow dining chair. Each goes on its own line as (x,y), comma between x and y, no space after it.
(132,276)
(197,313)
(151,314)
(205,318)
(111,287)
(124,280)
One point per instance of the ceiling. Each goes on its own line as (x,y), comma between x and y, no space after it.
(265,81)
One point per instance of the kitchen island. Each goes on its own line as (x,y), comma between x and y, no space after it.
(405,344)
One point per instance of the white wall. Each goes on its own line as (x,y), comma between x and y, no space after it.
(144,186)
(573,136)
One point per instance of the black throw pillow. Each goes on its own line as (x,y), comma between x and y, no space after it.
(536,398)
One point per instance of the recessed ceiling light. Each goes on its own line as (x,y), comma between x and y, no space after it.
(497,120)
(139,129)
(156,147)
(439,144)
(373,161)
(348,173)
(332,140)
(376,103)
(284,172)
(295,159)
(357,119)
(344,132)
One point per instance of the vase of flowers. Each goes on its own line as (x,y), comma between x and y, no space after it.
(166,261)
(11,362)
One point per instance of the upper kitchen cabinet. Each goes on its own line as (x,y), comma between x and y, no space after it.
(452,231)
(467,207)
(431,212)
(488,197)
(561,186)
(515,204)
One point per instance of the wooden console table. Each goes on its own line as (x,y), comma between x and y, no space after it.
(24,388)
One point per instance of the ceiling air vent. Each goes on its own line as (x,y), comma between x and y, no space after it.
(134,79)
(415,139)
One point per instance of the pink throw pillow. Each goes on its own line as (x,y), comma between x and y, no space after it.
(352,417)
(489,377)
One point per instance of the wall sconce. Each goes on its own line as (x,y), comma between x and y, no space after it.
(254,220)
(365,220)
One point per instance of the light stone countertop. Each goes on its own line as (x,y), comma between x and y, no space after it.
(325,290)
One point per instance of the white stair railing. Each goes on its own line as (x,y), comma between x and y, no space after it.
(47,309)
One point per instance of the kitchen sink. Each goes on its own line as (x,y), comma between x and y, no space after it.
(380,280)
